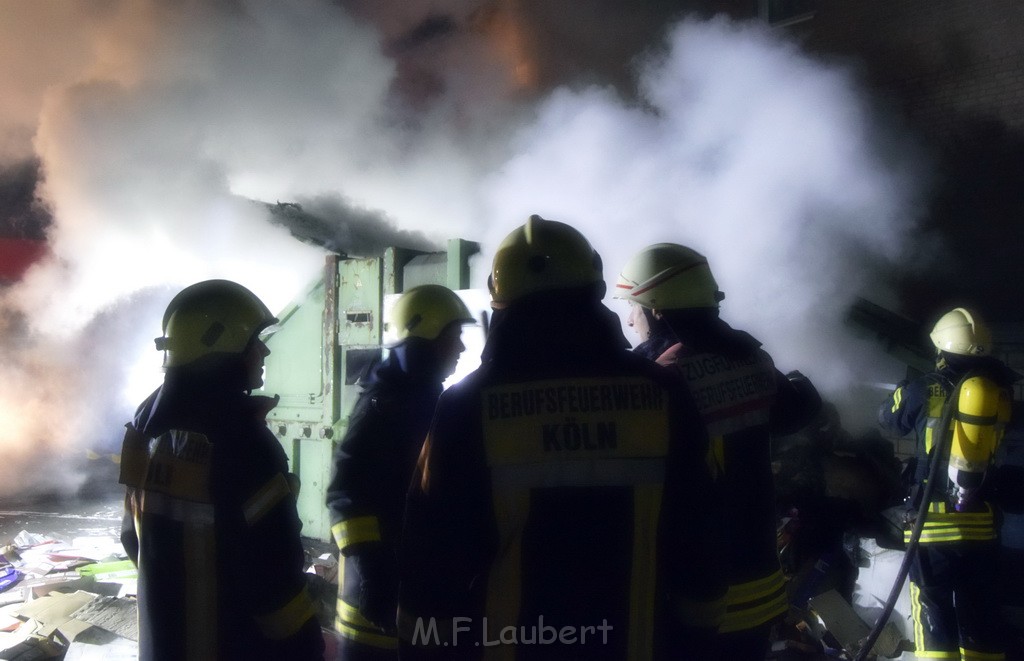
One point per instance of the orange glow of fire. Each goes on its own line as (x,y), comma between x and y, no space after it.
(507,32)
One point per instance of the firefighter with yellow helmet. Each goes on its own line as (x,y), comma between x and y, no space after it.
(374,463)
(743,400)
(953,579)
(211,519)
(561,507)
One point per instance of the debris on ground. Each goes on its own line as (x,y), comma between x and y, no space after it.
(77,601)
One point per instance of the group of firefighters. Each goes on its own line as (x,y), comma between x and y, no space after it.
(570,498)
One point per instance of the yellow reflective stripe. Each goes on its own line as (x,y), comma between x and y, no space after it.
(954,536)
(942,525)
(265,498)
(939,526)
(368,638)
(919,637)
(757,589)
(646,512)
(947,523)
(749,618)
(755,602)
(357,530)
(349,613)
(915,611)
(945,526)
(939,507)
(897,399)
(972,655)
(288,619)
(351,624)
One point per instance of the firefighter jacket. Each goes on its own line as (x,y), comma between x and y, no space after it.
(373,465)
(561,507)
(744,400)
(917,406)
(211,523)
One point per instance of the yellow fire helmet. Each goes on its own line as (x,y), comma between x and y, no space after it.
(425,311)
(961,332)
(668,276)
(213,316)
(542,255)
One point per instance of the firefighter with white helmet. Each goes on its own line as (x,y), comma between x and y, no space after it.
(554,490)
(211,519)
(953,575)
(743,400)
(374,463)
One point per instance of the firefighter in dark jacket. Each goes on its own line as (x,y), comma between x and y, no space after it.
(743,400)
(374,463)
(953,578)
(211,519)
(561,507)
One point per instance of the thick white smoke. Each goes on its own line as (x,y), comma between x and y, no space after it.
(163,120)
(770,163)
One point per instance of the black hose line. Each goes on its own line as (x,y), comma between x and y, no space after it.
(938,449)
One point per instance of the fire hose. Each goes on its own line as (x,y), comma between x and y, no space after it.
(935,461)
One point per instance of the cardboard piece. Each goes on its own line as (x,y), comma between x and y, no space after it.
(55,610)
(839,619)
(118,616)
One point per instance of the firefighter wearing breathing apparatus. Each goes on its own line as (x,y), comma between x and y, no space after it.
(743,399)
(374,463)
(211,520)
(953,572)
(560,507)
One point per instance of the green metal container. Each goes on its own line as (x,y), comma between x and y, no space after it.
(325,340)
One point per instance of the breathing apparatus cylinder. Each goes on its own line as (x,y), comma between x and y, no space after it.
(982,414)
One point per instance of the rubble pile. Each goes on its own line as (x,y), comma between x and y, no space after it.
(66,600)
(76,601)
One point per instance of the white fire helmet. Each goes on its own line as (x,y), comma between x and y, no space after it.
(668,276)
(961,332)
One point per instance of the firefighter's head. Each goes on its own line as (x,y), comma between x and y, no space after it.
(429,318)
(543,256)
(214,323)
(668,276)
(961,332)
